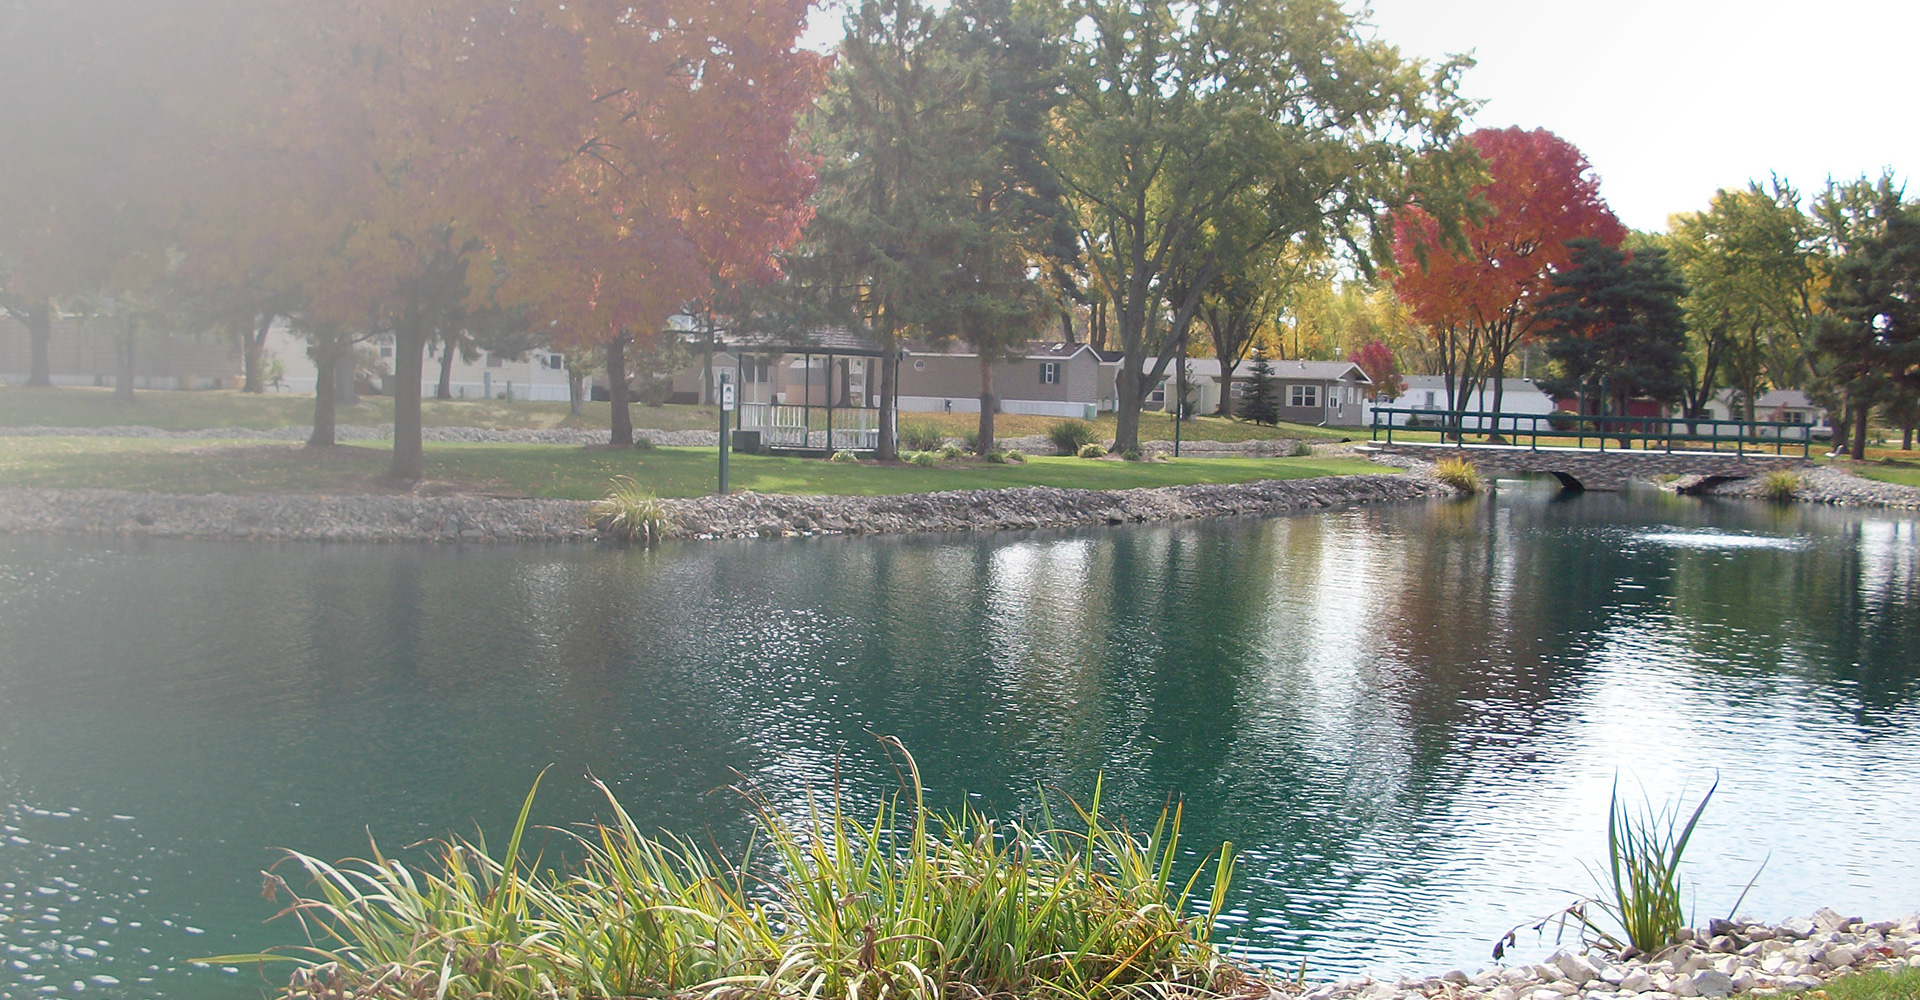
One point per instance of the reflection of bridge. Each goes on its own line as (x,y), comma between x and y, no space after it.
(1596,470)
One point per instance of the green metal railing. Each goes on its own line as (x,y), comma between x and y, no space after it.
(1653,433)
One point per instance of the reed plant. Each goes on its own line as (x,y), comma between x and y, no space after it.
(630,512)
(920,435)
(1459,474)
(1069,436)
(1644,848)
(899,903)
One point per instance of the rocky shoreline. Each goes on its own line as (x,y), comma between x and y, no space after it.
(1818,485)
(482,519)
(1739,956)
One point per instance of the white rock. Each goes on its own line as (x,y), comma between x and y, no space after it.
(1683,986)
(1636,980)
(1827,919)
(1711,983)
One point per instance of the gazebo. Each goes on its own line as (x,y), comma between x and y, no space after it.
(805,395)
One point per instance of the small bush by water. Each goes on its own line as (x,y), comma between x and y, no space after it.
(1069,436)
(899,903)
(630,512)
(1459,474)
(1780,485)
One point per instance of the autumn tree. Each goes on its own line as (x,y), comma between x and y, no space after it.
(1383,370)
(1178,113)
(1481,296)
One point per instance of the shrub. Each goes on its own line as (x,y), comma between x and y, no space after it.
(630,513)
(1130,455)
(1300,449)
(1007,456)
(848,457)
(924,459)
(1562,420)
(1069,436)
(951,451)
(1459,474)
(919,435)
(1780,485)
(1092,449)
(971,440)
(900,903)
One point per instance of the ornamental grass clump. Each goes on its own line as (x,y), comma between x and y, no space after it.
(630,513)
(897,903)
(951,451)
(1780,485)
(919,435)
(1069,436)
(846,457)
(1642,889)
(1459,474)
(924,459)
(1092,449)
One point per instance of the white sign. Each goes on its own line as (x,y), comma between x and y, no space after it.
(726,396)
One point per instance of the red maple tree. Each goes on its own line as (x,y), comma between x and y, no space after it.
(1479,302)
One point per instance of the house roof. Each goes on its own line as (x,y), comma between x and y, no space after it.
(1438,383)
(1032,351)
(1325,371)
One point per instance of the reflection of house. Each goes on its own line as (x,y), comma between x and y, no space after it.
(1429,392)
(1330,393)
(85,351)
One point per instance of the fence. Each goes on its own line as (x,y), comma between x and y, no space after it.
(1653,433)
(813,428)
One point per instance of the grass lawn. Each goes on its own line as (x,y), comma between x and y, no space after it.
(1888,466)
(1874,984)
(577,473)
(181,411)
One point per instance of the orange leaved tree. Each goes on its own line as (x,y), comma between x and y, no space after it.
(1479,299)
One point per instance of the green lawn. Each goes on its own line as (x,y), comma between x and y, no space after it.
(1873,984)
(82,407)
(1901,467)
(578,473)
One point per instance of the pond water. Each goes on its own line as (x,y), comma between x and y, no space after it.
(1408,718)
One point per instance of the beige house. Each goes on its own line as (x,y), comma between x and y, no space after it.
(85,351)
(1321,393)
(1044,379)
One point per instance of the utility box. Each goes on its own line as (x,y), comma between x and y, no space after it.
(747,441)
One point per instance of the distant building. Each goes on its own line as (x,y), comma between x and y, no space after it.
(84,351)
(1428,394)
(537,375)
(1321,393)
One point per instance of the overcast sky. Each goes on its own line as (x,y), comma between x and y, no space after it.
(1672,99)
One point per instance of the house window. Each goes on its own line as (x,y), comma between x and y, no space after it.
(1049,373)
(496,361)
(1430,395)
(556,361)
(1303,395)
(386,351)
(756,371)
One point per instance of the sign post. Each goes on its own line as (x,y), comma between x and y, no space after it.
(726,418)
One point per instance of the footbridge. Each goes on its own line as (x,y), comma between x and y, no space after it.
(1590,469)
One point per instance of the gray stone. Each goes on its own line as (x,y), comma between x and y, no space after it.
(1709,983)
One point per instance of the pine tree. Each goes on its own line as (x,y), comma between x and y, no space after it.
(1616,320)
(1260,402)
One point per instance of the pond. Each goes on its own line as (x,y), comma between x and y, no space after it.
(1408,718)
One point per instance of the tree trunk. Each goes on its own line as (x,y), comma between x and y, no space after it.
(326,367)
(1860,413)
(346,387)
(40,338)
(1126,425)
(576,390)
(987,404)
(409,358)
(887,448)
(617,392)
(253,346)
(445,389)
(1499,391)
(1225,409)
(123,364)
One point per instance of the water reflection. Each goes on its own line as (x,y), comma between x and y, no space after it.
(1408,718)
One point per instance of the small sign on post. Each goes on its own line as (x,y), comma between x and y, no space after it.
(726,410)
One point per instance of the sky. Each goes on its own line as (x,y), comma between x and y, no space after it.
(1671,100)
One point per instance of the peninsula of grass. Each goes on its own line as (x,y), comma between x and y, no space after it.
(197,467)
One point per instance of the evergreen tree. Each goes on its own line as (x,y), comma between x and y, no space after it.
(1260,402)
(1869,340)
(1615,319)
